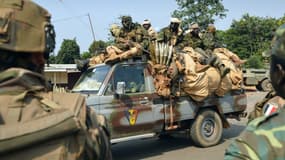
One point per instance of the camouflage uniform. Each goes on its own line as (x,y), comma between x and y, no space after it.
(36,123)
(264,138)
(131,33)
(209,39)
(150,30)
(132,40)
(192,39)
(195,40)
(172,35)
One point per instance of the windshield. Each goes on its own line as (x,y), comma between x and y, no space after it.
(92,79)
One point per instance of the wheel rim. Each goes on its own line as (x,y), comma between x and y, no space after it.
(267,86)
(208,128)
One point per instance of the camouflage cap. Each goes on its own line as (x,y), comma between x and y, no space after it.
(278,44)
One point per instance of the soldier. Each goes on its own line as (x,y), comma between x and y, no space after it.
(209,38)
(264,138)
(132,40)
(196,37)
(35,122)
(151,31)
(195,40)
(172,34)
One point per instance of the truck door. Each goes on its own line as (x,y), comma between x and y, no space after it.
(131,113)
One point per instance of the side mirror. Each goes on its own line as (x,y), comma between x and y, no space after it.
(121,87)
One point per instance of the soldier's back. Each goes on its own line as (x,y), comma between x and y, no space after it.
(36,124)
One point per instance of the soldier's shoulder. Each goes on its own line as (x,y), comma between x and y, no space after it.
(268,122)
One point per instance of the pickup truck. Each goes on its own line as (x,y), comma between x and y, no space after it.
(124,94)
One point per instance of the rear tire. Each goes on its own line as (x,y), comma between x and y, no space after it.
(207,129)
(266,85)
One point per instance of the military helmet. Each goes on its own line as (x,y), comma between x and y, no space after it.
(25,27)
(175,20)
(211,28)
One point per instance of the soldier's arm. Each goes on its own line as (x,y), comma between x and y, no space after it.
(259,140)
(239,150)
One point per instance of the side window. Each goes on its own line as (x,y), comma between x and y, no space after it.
(132,75)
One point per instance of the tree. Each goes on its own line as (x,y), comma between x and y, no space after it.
(255,62)
(202,12)
(69,51)
(52,59)
(249,36)
(97,47)
(86,55)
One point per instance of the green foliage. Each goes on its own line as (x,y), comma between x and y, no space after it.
(97,47)
(69,51)
(86,55)
(249,36)
(52,59)
(255,62)
(202,12)
(281,21)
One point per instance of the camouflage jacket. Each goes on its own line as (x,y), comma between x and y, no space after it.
(209,41)
(172,38)
(194,42)
(137,34)
(29,114)
(264,138)
(152,34)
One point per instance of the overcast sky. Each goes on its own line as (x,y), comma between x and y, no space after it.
(70,17)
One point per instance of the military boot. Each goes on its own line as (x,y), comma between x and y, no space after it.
(217,63)
(82,65)
(223,70)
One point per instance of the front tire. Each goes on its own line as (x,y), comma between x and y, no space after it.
(207,129)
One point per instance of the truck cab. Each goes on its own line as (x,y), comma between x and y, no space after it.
(125,95)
